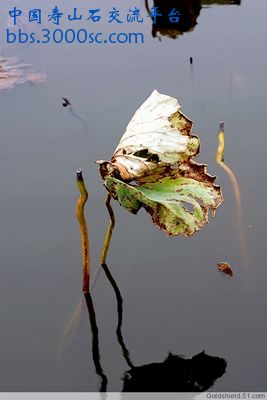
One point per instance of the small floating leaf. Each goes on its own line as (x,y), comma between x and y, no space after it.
(152,167)
(225,268)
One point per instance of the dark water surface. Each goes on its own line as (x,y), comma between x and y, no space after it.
(174,299)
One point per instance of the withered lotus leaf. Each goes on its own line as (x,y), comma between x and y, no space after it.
(153,167)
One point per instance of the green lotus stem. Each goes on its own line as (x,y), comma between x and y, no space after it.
(220,149)
(83,230)
(111,225)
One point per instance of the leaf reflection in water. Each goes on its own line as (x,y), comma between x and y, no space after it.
(168,23)
(13,72)
(174,374)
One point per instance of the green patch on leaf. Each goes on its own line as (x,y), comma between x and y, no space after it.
(178,205)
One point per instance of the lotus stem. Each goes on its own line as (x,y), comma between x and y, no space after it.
(220,149)
(237,194)
(108,236)
(83,230)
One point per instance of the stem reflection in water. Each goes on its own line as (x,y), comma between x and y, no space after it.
(174,374)
(95,342)
(117,292)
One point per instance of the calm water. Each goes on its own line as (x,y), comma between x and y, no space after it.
(174,299)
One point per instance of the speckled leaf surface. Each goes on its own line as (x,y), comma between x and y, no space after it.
(157,135)
(178,205)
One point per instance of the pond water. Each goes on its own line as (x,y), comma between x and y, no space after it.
(174,298)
